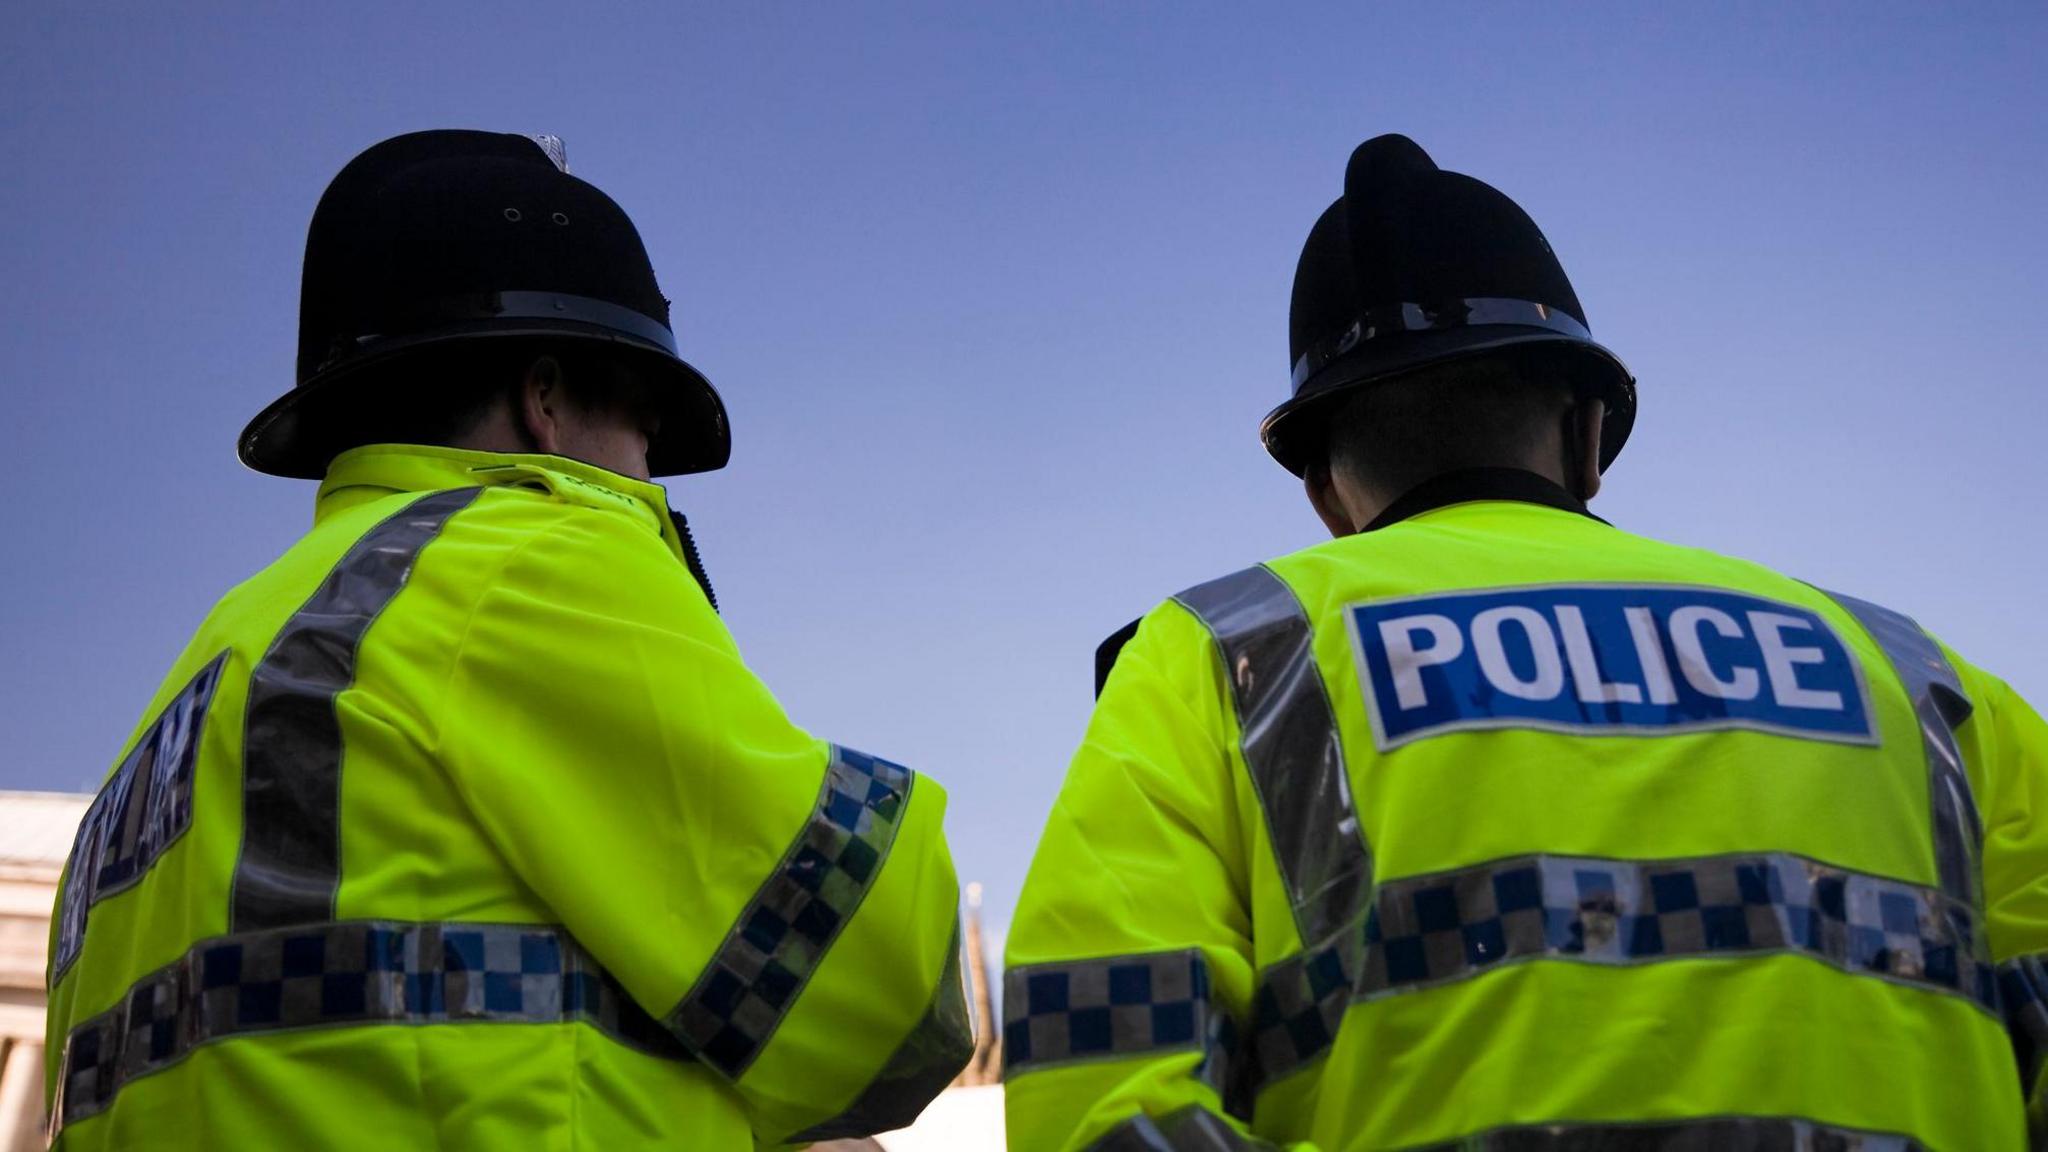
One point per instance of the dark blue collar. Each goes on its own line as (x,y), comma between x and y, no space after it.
(1468,484)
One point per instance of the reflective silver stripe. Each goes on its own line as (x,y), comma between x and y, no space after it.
(1715,1134)
(290,865)
(1113,1007)
(1941,707)
(338,974)
(1188,1129)
(935,1051)
(1424,931)
(1290,744)
(780,937)
(2023,990)
(1387,320)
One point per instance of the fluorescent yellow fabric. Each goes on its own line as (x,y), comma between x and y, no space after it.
(1156,842)
(548,725)
(2011,740)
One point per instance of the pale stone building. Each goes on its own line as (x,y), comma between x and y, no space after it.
(35,837)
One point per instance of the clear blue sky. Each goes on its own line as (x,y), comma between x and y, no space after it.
(997,295)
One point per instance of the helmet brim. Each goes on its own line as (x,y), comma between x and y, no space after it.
(301,432)
(1296,433)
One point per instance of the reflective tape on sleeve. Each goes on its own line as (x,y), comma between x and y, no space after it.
(1940,706)
(290,865)
(337,974)
(2023,989)
(1298,1006)
(1117,1007)
(753,980)
(1290,744)
(937,1048)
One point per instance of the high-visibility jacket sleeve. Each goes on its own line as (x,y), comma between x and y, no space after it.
(785,907)
(1129,961)
(2012,741)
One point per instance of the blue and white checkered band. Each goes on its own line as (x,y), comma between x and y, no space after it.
(350,973)
(1115,1007)
(1392,319)
(1428,930)
(1297,1007)
(754,978)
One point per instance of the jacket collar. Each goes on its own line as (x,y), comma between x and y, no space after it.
(374,471)
(1469,484)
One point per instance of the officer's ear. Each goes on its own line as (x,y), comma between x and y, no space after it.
(1589,416)
(1329,504)
(542,405)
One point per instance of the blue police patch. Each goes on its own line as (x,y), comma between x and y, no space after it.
(1605,658)
(140,811)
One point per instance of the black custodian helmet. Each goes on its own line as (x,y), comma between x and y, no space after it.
(432,239)
(1414,267)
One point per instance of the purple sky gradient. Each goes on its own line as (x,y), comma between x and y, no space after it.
(997,297)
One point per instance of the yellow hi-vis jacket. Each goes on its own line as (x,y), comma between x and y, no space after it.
(463,825)
(1500,828)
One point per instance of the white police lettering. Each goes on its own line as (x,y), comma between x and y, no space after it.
(1586,677)
(1493,657)
(143,808)
(1692,655)
(1781,660)
(1642,631)
(1446,644)
(1605,658)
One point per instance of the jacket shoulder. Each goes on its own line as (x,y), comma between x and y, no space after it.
(1204,602)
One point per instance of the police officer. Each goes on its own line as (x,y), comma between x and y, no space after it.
(463,825)
(1487,825)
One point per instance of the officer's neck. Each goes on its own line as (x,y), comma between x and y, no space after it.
(1464,485)
(1347,508)
(1565,473)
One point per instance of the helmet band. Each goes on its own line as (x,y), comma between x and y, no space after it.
(1389,319)
(545,307)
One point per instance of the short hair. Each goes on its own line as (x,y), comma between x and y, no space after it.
(1486,411)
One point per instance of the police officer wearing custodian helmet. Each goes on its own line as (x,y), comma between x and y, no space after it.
(463,825)
(1487,825)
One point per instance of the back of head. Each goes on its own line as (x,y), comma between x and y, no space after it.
(1414,277)
(439,260)
(1485,412)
